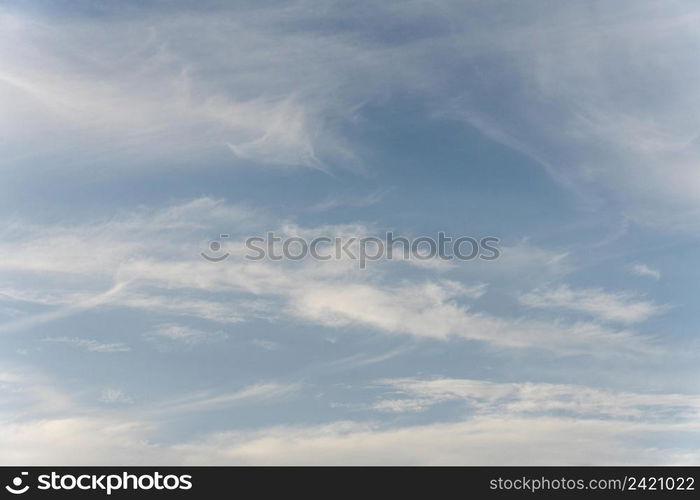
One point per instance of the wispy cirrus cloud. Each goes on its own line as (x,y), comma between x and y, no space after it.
(144,89)
(105,440)
(623,307)
(211,400)
(644,270)
(510,422)
(526,398)
(332,294)
(91,345)
(115,396)
(154,101)
(183,334)
(162,97)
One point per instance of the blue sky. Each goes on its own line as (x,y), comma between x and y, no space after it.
(132,134)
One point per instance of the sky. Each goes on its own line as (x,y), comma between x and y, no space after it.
(132,134)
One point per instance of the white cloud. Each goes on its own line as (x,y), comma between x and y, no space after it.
(185,334)
(97,248)
(43,424)
(26,394)
(78,440)
(170,278)
(616,123)
(513,419)
(209,400)
(603,98)
(477,441)
(115,396)
(613,122)
(362,201)
(90,344)
(643,270)
(163,97)
(432,311)
(524,398)
(621,307)
(267,345)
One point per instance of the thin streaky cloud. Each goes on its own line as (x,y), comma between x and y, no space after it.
(132,139)
(622,307)
(91,345)
(644,270)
